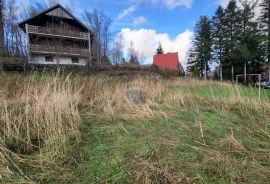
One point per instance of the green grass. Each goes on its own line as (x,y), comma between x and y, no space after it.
(113,149)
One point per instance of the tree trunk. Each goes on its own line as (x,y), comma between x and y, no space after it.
(205,74)
(232,73)
(220,70)
(245,73)
(269,70)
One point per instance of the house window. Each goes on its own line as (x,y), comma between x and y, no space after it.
(75,60)
(48,58)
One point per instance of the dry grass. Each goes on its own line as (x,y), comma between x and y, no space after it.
(40,115)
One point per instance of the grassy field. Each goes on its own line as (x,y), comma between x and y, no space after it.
(102,128)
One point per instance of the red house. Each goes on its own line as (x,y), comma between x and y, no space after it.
(168,61)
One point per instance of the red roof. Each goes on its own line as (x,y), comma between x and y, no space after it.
(167,61)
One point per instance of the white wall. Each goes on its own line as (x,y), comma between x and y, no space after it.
(61,60)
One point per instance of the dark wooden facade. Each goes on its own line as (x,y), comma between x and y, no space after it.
(55,36)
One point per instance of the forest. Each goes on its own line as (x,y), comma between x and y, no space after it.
(234,41)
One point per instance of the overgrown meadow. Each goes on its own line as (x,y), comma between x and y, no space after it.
(105,128)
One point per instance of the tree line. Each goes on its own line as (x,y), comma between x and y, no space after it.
(236,40)
(105,49)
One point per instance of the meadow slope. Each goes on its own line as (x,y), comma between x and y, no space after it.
(104,128)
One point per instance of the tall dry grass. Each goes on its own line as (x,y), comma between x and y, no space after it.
(41,116)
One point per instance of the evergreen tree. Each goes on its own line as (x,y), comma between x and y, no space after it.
(202,45)
(265,27)
(232,22)
(218,35)
(193,65)
(181,70)
(250,50)
(160,49)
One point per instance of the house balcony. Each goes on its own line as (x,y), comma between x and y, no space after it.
(57,32)
(66,51)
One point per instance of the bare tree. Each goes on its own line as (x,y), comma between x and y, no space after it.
(2,26)
(99,23)
(133,54)
(117,49)
(2,42)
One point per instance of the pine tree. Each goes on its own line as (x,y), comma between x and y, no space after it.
(160,49)
(250,50)
(265,27)
(193,65)
(232,22)
(218,38)
(202,45)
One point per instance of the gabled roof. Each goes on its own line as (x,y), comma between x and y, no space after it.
(51,9)
(167,61)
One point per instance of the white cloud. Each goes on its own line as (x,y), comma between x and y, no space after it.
(171,4)
(146,41)
(139,20)
(127,11)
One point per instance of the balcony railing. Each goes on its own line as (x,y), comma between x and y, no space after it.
(59,32)
(68,51)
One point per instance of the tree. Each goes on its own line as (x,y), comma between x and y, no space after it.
(181,70)
(265,27)
(2,36)
(133,54)
(232,21)
(250,49)
(160,49)
(100,24)
(202,43)
(218,35)
(192,65)
(117,50)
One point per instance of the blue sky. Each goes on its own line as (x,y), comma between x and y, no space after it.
(157,14)
(148,22)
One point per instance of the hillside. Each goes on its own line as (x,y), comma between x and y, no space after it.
(104,128)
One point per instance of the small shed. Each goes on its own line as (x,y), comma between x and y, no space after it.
(167,61)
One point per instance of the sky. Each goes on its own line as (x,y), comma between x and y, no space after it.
(148,22)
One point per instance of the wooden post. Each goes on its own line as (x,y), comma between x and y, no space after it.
(90,52)
(28,46)
(28,42)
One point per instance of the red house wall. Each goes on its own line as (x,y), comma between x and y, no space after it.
(167,61)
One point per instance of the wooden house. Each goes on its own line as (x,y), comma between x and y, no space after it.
(56,37)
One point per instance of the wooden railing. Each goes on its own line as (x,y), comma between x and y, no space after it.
(45,49)
(60,32)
